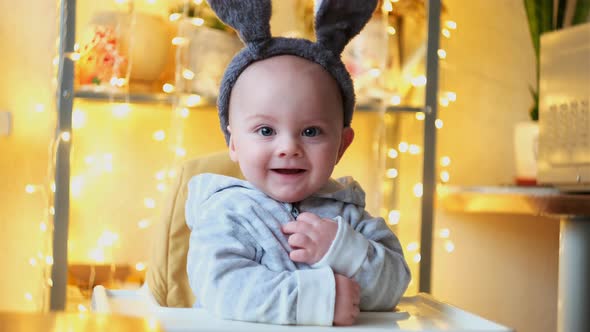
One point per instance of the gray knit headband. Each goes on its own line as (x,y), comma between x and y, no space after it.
(336,23)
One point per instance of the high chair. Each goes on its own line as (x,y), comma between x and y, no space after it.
(166,295)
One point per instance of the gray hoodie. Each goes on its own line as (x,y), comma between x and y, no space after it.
(238,261)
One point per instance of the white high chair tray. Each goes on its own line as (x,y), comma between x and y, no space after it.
(416,313)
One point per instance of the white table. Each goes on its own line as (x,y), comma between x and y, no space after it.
(573,213)
(417,313)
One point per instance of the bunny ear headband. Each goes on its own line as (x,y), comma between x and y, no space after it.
(336,23)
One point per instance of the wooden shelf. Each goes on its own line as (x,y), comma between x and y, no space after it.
(164,98)
(513,200)
(104,96)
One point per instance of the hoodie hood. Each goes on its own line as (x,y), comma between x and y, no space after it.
(203,186)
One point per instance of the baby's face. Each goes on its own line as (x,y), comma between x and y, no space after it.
(286,126)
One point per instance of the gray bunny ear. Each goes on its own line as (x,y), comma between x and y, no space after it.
(251,18)
(338,21)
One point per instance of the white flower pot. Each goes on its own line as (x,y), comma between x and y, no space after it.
(526,139)
(210,51)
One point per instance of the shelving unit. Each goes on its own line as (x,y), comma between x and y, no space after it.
(66,94)
(169,99)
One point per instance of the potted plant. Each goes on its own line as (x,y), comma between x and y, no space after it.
(550,15)
(542,16)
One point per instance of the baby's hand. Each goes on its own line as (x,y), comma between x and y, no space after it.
(346,306)
(310,236)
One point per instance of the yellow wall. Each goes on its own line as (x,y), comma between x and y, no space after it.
(504,267)
(27,40)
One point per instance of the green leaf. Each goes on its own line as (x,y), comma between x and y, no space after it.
(581,12)
(545,16)
(534,111)
(534,93)
(530,7)
(560,14)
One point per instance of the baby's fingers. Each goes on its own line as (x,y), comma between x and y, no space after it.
(300,256)
(299,240)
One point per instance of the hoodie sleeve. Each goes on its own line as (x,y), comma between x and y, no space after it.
(370,252)
(228,280)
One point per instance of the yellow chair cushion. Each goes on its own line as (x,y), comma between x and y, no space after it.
(166,276)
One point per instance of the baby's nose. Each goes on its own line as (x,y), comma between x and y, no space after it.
(289,147)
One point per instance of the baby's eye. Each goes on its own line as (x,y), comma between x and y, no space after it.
(266,131)
(311,132)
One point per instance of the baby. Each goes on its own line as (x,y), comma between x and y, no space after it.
(289,245)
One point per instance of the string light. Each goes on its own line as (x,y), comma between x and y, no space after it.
(395,100)
(140,266)
(179,41)
(445,176)
(403,147)
(418,191)
(193,100)
(392,153)
(387,7)
(451,24)
(197,21)
(168,88)
(445,161)
(96,255)
(392,173)
(78,119)
(29,188)
(393,217)
(180,152)
(159,135)
(419,81)
(188,74)
(161,175)
(444,233)
(438,123)
(174,17)
(76,184)
(107,239)
(420,116)
(449,246)
(143,224)
(184,112)
(445,32)
(442,54)
(65,136)
(374,72)
(452,96)
(412,246)
(149,203)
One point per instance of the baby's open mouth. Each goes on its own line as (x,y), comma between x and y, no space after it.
(288,170)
